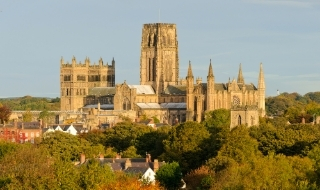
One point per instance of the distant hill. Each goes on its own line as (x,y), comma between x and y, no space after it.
(32,103)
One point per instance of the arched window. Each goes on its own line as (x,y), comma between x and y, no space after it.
(239,120)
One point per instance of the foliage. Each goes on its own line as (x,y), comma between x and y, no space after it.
(93,175)
(217,118)
(169,176)
(66,174)
(132,182)
(199,178)
(187,144)
(122,136)
(130,152)
(65,146)
(46,116)
(32,103)
(289,140)
(5,113)
(27,168)
(27,116)
(95,137)
(151,142)
(6,148)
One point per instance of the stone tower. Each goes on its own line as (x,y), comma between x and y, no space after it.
(77,78)
(159,62)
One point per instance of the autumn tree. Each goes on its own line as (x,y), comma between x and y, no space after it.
(27,168)
(5,113)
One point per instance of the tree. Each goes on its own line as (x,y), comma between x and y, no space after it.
(217,118)
(6,148)
(27,168)
(27,116)
(169,176)
(187,144)
(152,142)
(46,116)
(124,135)
(5,113)
(94,176)
(65,146)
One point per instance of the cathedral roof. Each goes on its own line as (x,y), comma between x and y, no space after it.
(143,89)
(102,91)
(148,105)
(248,87)
(175,89)
(181,105)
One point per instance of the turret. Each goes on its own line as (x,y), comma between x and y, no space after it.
(61,61)
(74,61)
(113,63)
(190,97)
(261,92)
(210,88)
(100,62)
(240,76)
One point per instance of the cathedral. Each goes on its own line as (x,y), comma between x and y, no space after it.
(161,93)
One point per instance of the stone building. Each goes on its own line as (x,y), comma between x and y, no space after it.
(77,78)
(161,93)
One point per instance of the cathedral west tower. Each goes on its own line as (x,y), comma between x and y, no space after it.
(159,61)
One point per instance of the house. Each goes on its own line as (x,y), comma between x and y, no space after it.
(137,166)
(73,130)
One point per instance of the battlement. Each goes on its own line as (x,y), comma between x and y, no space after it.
(86,63)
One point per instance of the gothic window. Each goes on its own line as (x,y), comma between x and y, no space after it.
(239,120)
(67,92)
(164,40)
(81,78)
(67,78)
(236,101)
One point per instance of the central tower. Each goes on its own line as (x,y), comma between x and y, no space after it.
(159,61)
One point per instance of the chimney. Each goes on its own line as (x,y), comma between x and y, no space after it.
(82,158)
(303,120)
(127,164)
(148,158)
(155,165)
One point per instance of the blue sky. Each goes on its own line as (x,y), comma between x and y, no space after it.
(282,34)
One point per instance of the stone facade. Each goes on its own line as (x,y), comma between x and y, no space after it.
(159,61)
(160,93)
(77,78)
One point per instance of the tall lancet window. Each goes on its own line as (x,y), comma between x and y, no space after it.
(239,120)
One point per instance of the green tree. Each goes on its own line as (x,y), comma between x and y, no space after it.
(125,135)
(152,142)
(6,148)
(65,146)
(94,176)
(187,143)
(169,176)
(46,116)
(217,118)
(66,174)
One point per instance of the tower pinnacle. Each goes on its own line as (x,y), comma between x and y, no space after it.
(240,76)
